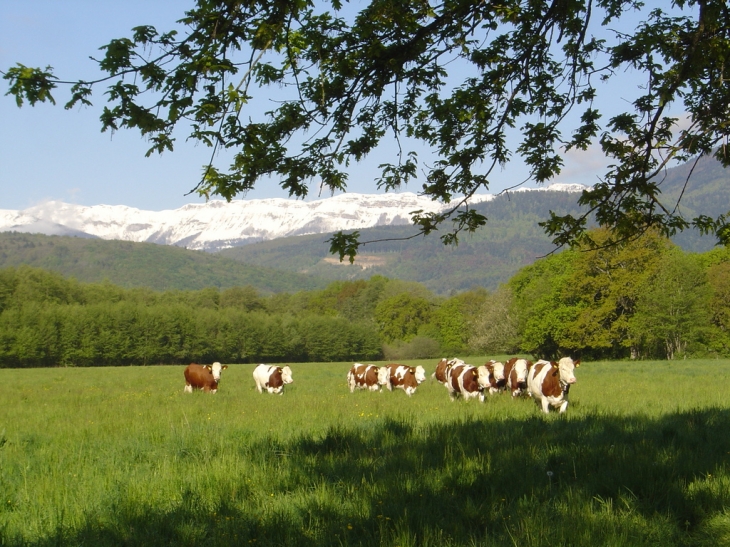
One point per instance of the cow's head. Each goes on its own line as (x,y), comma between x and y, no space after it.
(566,366)
(216,369)
(383,376)
(482,374)
(420,373)
(520,370)
(286,375)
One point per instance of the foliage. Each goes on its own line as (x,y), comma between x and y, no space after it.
(718,276)
(450,322)
(453,78)
(419,347)
(672,310)
(46,320)
(541,314)
(604,287)
(400,317)
(643,298)
(495,329)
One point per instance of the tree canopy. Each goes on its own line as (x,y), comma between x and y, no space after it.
(454,77)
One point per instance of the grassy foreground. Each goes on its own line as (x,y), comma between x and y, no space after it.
(121,456)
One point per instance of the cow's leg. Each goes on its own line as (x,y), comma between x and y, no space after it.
(563,406)
(545,405)
(188,388)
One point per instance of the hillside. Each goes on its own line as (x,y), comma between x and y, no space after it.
(510,240)
(128,264)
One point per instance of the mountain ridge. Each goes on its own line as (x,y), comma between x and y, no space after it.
(217,225)
(511,240)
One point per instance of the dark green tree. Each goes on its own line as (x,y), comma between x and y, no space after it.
(452,77)
(541,312)
(452,326)
(400,317)
(673,308)
(604,287)
(495,330)
(718,276)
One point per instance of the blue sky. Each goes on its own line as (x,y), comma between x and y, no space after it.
(48,153)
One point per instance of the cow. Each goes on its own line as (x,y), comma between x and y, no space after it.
(515,374)
(441,374)
(468,382)
(496,376)
(549,383)
(205,377)
(367,377)
(405,377)
(272,378)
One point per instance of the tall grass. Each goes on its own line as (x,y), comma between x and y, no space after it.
(121,456)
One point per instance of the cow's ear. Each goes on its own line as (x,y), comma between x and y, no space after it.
(413,370)
(577,363)
(210,368)
(224,367)
(279,369)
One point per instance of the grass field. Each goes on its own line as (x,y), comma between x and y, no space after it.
(121,456)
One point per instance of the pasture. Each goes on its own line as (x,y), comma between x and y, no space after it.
(121,456)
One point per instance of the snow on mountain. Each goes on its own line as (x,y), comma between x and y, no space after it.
(217,224)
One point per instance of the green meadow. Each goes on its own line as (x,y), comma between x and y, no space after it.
(121,456)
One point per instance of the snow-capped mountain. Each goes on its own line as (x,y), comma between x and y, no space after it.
(217,224)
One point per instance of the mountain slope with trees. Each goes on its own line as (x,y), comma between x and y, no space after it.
(489,256)
(157,267)
(486,258)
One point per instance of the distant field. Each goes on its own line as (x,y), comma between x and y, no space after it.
(121,456)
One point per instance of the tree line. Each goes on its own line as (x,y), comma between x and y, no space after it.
(643,298)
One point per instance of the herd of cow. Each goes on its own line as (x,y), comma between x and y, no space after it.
(547,382)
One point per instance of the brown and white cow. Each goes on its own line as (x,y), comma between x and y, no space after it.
(549,382)
(367,377)
(442,369)
(496,376)
(205,377)
(515,374)
(405,377)
(468,382)
(272,378)
(497,371)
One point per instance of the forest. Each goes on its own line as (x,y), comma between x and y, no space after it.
(642,299)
